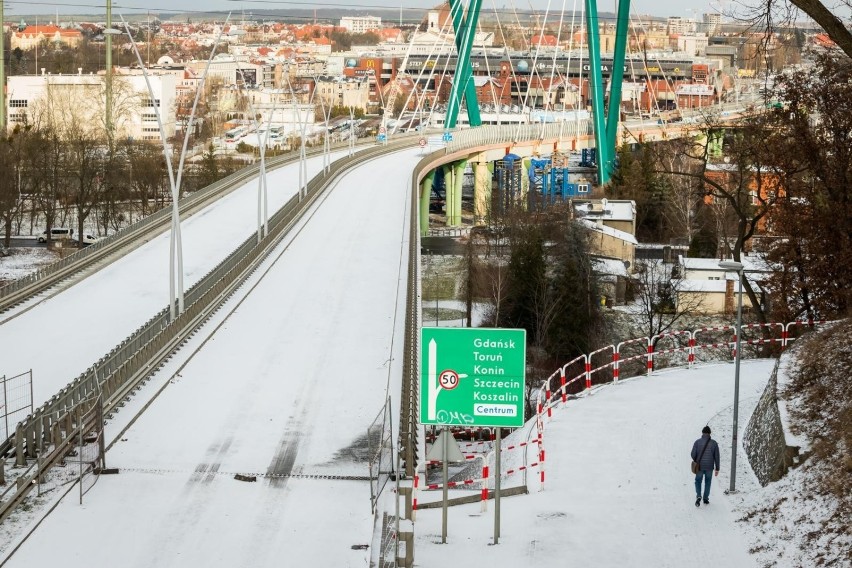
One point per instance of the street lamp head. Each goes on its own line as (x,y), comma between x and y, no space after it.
(731,265)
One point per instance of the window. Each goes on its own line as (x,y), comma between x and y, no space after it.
(149,117)
(583,188)
(17,103)
(150,130)
(147,102)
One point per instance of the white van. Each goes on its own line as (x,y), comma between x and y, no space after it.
(57,234)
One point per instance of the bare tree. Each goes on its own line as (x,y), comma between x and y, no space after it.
(770,15)
(743,186)
(660,305)
(13,162)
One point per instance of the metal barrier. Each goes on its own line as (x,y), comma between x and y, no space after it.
(24,288)
(140,353)
(545,395)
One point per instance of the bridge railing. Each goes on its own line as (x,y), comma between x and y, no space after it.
(44,277)
(509,134)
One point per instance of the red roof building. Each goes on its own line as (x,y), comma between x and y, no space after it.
(31,36)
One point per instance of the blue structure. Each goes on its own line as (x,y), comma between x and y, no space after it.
(550,182)
(588,158)
(509,173)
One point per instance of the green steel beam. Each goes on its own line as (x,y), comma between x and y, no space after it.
(465,32)
(596,87)
(613,114)
(466,82)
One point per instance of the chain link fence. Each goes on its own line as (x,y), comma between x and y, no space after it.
(380,443)
(17,401)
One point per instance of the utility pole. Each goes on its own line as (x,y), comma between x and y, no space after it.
(108,44)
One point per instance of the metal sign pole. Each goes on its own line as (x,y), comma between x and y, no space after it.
(444,517)
(5,397)
(80,449)
(497,471)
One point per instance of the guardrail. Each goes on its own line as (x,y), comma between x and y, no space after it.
(24,288)
(508,134)
(119,372)
(647,355)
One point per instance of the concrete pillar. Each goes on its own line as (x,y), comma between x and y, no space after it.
(525,181)
(31,441)
(425,194)
(37,432)
(481,193)
(406,493)
(20,459)
(406,540)
(449,191)
(458,180)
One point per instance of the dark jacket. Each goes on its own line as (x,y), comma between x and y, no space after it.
(710,459)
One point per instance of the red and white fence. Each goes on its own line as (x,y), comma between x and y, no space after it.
(687,342)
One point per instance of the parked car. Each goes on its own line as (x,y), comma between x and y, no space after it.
(57,234)
(89,239)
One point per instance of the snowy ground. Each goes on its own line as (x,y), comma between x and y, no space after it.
(23,261)
(618,491)
(297,370)
(61,337)
(285,388)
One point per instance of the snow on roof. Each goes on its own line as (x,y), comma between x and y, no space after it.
(624,236)
(751,263)
(702,286)
(714,286)
(610,266)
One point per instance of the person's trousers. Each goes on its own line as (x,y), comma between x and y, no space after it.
(707,475)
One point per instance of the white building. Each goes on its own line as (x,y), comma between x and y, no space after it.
(231,71)
(692,44)
(79,102)
(349,92)
(712,22)
(360,24)
(679,25)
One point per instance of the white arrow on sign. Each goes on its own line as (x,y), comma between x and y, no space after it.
(435,386)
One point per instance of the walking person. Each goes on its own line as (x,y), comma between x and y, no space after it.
(705,453)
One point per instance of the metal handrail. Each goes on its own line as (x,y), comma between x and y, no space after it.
(118,372)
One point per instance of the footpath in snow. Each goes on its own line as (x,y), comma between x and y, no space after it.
(618,491)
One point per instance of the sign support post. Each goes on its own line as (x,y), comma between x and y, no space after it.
(472,377)
(446,479)
(497,476)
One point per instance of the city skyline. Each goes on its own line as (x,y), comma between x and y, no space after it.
(409,8)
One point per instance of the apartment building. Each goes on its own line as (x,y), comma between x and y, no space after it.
(360,24)
(79,101)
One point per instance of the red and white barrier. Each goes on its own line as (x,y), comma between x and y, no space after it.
(414,493)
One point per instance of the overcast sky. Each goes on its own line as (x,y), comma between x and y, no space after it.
(685,8)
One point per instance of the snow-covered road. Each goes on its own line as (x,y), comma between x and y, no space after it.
(287,386)
(61,337)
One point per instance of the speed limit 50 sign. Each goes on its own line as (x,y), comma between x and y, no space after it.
(472,376)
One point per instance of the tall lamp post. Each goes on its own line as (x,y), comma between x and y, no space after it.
(738,268)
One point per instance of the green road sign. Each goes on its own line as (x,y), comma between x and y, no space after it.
(472,376)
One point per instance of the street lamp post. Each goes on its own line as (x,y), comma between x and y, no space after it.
(738,267)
